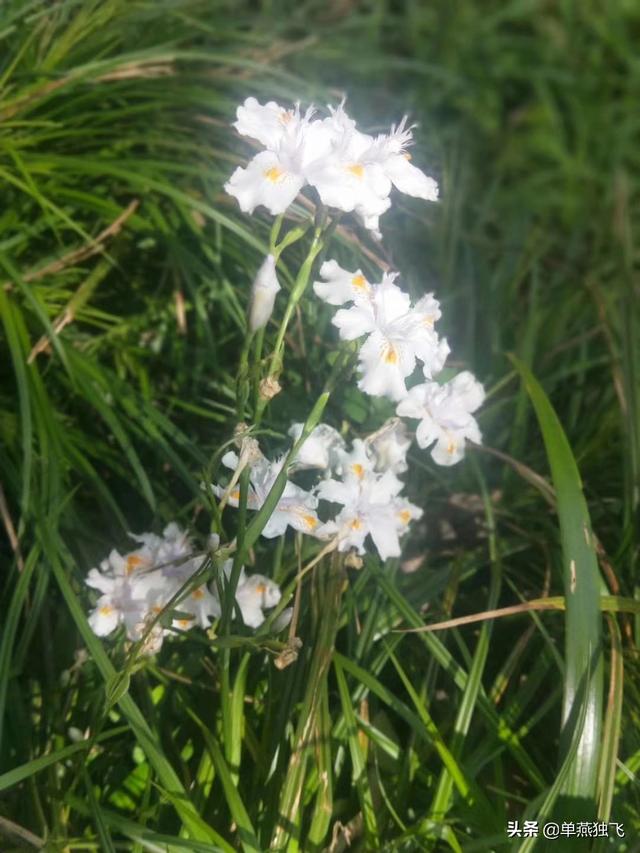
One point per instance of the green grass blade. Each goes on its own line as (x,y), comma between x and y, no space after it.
(583,621)
(358,761)
(153,842)
(24,771)
(246,832)
(612,725)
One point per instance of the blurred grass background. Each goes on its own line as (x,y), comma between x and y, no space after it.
(127,269)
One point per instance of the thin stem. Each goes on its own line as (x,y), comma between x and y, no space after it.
(299,287)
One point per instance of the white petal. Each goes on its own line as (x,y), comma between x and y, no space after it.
(104,619)
(340,285)
(355,465)
(390,446)
(252,615)
(409,179)
(352,530)
(406,512)
(384,366)
(428,309)
(383,381)
(468,390)
(344,183)
(303,519)
(437,359)
(448,450)
(337,492)
(266,590)
(255,594)
(370,216)
(427,432)
(265,123)
(99,581)
(413,405)
(276,525)
(316,450)
(391,301)
(355,321)
(266,181)
(384,533)
(381,488)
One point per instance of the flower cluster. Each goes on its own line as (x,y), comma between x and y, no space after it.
(351,171)
(398,337)
(362,480)
(136,588)
(358,495)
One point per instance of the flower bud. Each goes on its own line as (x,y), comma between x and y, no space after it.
(263,294)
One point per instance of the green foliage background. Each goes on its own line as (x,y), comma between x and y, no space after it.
(115,141)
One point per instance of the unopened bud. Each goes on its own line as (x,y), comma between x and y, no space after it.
(263,294)
(269,387)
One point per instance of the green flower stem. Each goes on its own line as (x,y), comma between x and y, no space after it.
(299,287)
(301,282)
(232,584)
(228,603)
(290,238)
(255,370)
(242,379)
(275,233)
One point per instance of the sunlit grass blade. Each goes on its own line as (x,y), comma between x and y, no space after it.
(583,624)
(612,724)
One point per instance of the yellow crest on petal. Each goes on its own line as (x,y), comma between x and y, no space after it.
(134,561)
(274,174)
(390,354)
(356,169)
(360,282)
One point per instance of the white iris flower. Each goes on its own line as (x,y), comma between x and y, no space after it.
(350,170)
(138,586)
(397,335)
(354,465)
(296,508)
(371,507)
(254,594)
(445,415)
